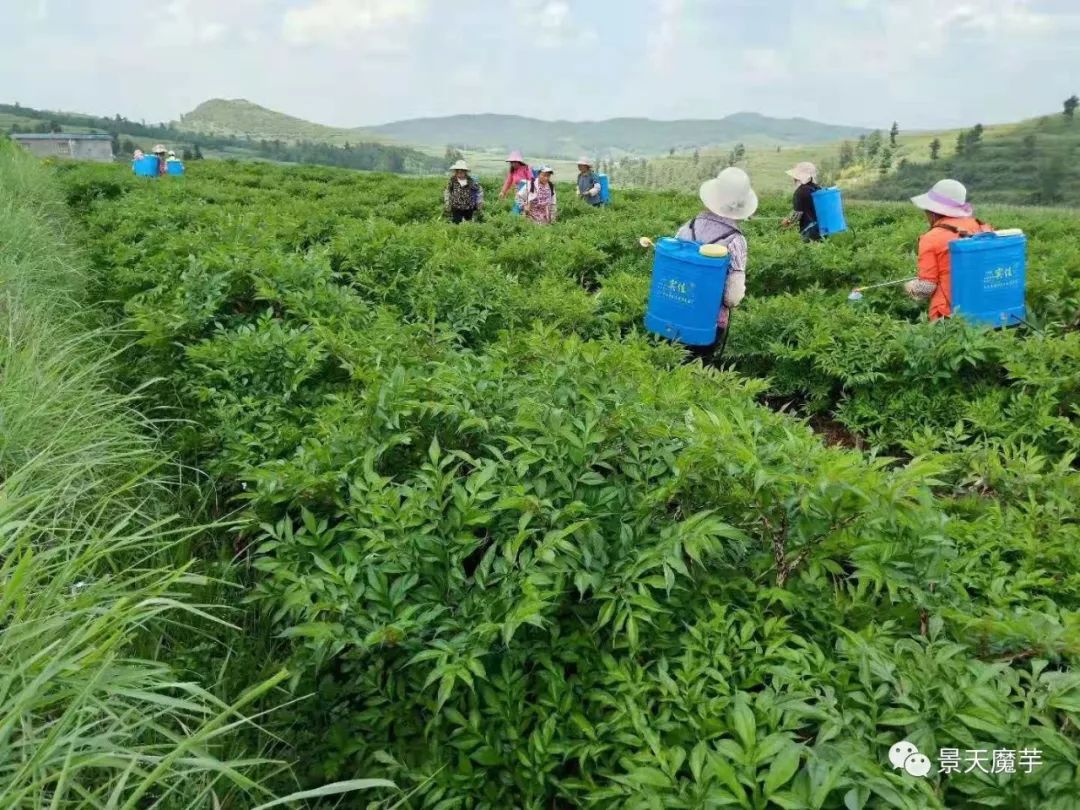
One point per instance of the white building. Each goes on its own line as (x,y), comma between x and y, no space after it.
(73,145)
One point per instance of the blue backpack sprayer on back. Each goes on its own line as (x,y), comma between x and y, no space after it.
(687,292)
(829,207)
(989,277)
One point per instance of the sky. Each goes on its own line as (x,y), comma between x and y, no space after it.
(925,63)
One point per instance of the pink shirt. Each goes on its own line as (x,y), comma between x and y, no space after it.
(515,176)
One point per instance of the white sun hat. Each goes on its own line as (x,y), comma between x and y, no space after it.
(159,149)
(729,194)
(546,170)
(461,165)
(584,161)
(803,172)
(947,197)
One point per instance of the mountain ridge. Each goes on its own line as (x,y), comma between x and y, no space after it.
(496,131)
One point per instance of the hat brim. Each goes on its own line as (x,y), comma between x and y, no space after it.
(924,202)
(802,177)
(716,201)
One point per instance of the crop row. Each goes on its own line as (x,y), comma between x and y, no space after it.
(527,557)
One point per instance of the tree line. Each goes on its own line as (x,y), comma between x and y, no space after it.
(363,156)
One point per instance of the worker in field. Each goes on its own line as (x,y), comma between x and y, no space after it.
(159,153)
(951,217)
(729,199)
(463,196)
(538,200)
(803,212)
(519,170)
(588,183)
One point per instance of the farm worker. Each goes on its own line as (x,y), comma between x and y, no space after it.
(519,170)
(728,200)
(159,153)
(537,199)
(463,196)
(588,184)
(803,212)
(138,155)
(951,217)
(172,157)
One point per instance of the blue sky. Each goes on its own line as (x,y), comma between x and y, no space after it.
(924,63)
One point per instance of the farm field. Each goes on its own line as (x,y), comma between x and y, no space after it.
(523,555)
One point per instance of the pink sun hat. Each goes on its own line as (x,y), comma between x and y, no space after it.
(515,157)
(947,197)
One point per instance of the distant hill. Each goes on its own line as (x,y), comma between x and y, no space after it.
(611,138)
(553,139)
(242,118)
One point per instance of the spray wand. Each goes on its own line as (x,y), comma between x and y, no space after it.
(856,293)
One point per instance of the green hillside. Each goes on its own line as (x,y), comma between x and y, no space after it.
(615,137)
(1030,162)
(1033,162)
(242,118)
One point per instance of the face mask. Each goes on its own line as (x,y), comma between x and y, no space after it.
(462,181)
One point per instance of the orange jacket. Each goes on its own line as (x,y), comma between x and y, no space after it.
(934,263)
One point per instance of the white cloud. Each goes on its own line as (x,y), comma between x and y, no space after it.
(552,24)
(330,21)
(663,40)
(212,32)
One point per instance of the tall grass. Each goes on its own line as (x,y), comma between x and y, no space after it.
(87,569)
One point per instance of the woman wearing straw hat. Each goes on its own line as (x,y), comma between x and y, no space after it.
(519,170)
(537,199)
(463,196)
(951,217)
(728,200)
(159,153)
(588,184)
(802,206)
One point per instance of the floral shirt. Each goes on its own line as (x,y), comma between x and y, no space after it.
(538,202)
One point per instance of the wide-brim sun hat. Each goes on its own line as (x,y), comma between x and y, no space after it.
(947,197)
(159,150)
(584,161)
(729,194)
(515,157)
(546,170)
(460,166)
(803,172)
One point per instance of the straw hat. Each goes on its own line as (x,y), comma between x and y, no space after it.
(515,157)
(159,149)
(729,194)
(584,161)
(947,197)
(461,166)
(803,172)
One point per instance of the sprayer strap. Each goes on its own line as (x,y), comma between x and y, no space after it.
(693,232)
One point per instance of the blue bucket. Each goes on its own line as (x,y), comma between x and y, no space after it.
(517,206)
(686,294)
(605,189)
(989,278)
(174,167)
(829,206)
(146,166)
